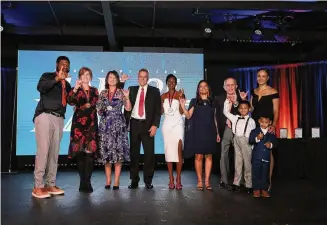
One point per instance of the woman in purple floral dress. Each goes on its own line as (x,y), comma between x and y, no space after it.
(112,132)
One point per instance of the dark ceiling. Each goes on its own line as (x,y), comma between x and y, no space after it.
(297,28)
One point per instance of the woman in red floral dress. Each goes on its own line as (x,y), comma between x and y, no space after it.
(84,129)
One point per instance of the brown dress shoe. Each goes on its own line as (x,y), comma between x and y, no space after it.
(40,193)
(54,190)
(265,194)
(256,193)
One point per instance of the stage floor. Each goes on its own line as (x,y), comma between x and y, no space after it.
(292,202)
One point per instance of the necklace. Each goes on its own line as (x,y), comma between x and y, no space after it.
(110,97)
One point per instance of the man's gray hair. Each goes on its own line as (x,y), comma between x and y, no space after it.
(230,78)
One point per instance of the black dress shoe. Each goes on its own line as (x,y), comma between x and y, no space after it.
(133,185)
(89,188)
(82,186)
(148,185)
(115,187)
(237,188)
(233,188)
(230,187)
(107,186)
(222,185)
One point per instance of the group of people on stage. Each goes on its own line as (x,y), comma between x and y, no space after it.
(253,137)
(209,120)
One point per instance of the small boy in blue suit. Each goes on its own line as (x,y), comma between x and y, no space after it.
(262,142)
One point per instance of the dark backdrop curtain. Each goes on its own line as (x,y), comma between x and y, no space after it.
(302,89)
(8,117)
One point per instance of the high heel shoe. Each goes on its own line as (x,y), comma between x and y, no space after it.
(200,186)
(171,184)
(116,186)
(108,185)
(179,185)
(208,186)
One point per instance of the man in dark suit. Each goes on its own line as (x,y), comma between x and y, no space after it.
(225,126)
(144,122)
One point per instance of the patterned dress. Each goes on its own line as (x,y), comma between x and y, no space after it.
(84,129)
(113,133)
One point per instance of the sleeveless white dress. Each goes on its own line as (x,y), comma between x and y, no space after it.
(172,130)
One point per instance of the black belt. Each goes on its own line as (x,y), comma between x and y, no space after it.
(138,120)
(54,113)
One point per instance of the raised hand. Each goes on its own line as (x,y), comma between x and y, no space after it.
(78,84)
(228,99)
(243,95)
(182,101)
(232,98)
(229,104)
(61,74)
(126,93)
(272,129)
(124,77)
(260,136)
(181,93)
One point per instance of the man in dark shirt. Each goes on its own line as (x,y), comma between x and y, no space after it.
(225,126)
(49,122)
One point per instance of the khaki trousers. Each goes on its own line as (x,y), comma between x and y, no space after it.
(48,132)
(243,156)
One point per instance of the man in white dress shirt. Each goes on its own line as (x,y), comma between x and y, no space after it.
(144,122)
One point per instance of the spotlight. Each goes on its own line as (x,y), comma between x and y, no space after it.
(207,29)
(258,32)
(257,27)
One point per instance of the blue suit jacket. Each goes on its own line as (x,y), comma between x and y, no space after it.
(260,151)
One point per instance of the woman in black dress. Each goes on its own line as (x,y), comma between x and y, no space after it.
(265,101)
(201,134)
(84,129)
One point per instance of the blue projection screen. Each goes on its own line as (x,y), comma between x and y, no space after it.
(188,68)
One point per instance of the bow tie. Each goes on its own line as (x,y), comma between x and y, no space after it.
(241,118)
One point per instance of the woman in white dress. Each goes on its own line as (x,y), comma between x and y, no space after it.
(173,130)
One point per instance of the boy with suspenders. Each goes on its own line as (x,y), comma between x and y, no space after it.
(242,125)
